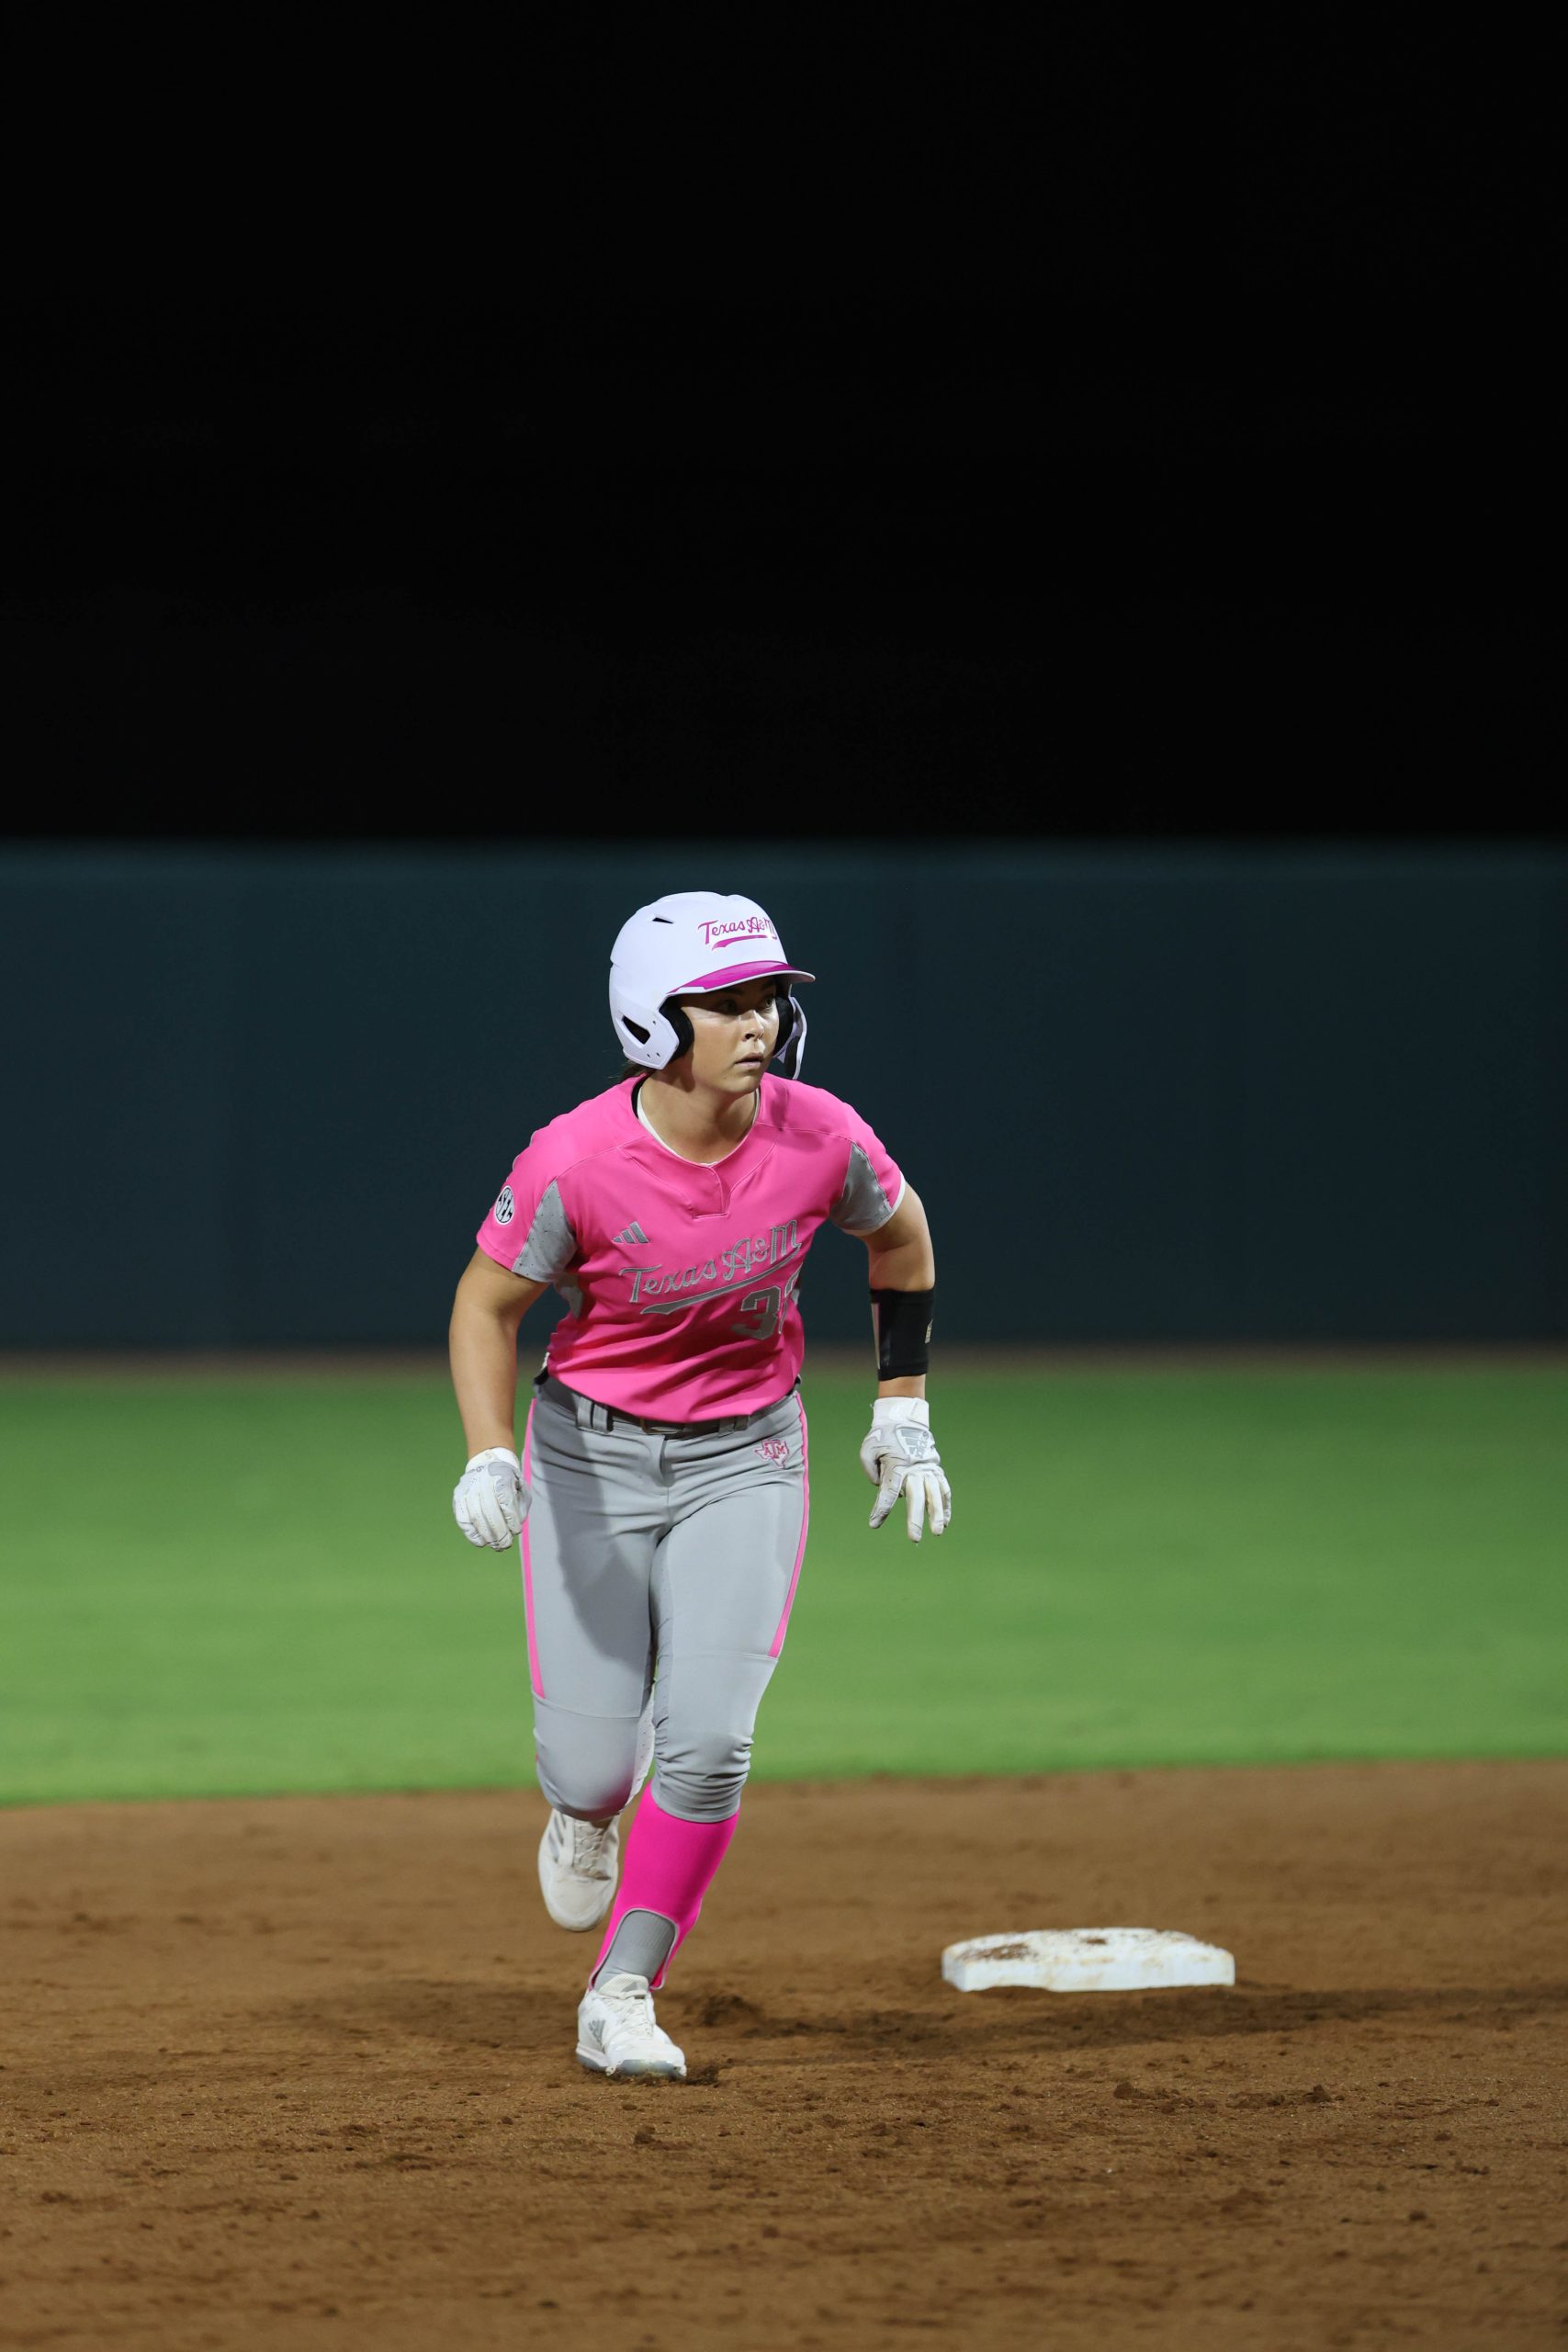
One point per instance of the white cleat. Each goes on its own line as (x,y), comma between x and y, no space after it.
(577,1869)
(617,2033)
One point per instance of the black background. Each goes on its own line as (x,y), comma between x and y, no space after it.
(1181,471)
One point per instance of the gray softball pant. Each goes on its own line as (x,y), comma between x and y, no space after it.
(656,1563)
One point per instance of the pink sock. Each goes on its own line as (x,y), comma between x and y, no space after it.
(669,1868)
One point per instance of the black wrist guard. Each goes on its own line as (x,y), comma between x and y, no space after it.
(902,1322)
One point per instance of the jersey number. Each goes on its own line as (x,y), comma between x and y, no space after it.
(769,1307)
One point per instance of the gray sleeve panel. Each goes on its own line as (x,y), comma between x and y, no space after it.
(863,1205)
(551,1244)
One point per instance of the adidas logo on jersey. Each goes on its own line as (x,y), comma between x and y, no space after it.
(634,1232)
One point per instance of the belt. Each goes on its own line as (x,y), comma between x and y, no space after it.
(589,1415)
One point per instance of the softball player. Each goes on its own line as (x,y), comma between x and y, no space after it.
(662,1494)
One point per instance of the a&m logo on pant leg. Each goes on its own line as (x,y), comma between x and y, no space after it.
(773,1449)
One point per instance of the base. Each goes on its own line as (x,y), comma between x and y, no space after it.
(1087,1960)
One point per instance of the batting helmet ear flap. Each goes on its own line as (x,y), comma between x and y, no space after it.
(648,1038)
(681,1021)
(791,1044)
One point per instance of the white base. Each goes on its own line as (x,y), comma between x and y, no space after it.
(1087,1960)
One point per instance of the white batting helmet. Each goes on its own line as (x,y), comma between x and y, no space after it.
(694,943)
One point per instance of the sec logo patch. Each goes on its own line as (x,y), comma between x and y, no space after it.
(506,1208)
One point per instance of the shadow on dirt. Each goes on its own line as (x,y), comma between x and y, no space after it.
(530,2019)
(527,2019)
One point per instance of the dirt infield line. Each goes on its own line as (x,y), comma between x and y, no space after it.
(297,2072)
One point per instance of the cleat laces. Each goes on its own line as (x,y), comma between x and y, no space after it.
(630,2003)
(586,1844)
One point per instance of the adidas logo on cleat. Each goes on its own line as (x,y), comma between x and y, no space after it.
(633,1232)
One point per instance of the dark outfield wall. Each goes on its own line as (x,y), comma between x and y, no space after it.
(266,1096)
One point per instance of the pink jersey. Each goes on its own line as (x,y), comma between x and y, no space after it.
(682,1281)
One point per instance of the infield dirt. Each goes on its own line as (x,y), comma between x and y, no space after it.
(299,2072)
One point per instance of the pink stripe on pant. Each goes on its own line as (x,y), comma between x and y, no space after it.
(534,1675)
(805,1523)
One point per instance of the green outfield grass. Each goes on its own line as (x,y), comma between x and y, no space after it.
(252,1584)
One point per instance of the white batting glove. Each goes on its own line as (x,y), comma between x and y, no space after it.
(490,1501)
(899,1457)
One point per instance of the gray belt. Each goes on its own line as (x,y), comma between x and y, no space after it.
(591,1416)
